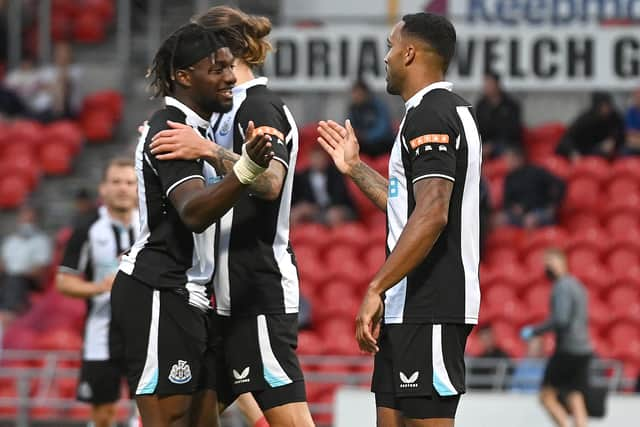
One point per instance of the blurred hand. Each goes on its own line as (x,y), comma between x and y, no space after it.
(340,143)
(181,142)
(106,284)
(258,146)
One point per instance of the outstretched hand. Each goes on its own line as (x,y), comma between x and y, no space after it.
(340,143)
(258,146)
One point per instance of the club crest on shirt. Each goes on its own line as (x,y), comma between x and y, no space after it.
(180,373)
(225,127)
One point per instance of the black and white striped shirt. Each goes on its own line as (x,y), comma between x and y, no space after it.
(438,138)
(93,252)
(167,254)
(256,272)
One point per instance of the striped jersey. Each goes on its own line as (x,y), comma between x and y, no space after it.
(438,138)
(167,254)
(256,271)
(93,252)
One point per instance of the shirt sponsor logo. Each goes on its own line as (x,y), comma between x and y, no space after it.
(241,377)
(434,138)
(180,373)
(394,187)
(410,382)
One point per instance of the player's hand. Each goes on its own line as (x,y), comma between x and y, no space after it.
(258,146)
(106,284)
(181,142)
(143,127)
(340,143)
(526,333)
(368,322)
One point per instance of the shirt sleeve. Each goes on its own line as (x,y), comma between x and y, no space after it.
(171,173)
(75,259)
(271,119)
(432,143)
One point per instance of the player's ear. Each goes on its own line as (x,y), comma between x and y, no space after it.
(183,78)
(409,54)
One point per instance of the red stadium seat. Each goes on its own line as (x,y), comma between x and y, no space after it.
(381,165)
(534,264)
(580,258)
(591,167)
(350,270)
(577,221)
(505,236)
(495,169)
(620,224)
(309,343)
(55,160)
(60,339)
(335,254)
(623,295)
(25,132)
(110,100)
(582,194)
(496,190)
(60,27)
(64,132)
(364,206)
(621,333)
(501,255)
(13,191)
(89,27)
(626,168)
(620,204)
(512,275)
(312,234)
(104,8)
(557,165)
(599,314)
(594,275)
(543,238)
(538,297)
(622,187)
(67,7)
(498,294)
(622,260)
(352,234)
(22,165)
(98,125)
(594,239)
(374,258)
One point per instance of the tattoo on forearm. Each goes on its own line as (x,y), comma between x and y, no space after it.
(262,186)
(372,184)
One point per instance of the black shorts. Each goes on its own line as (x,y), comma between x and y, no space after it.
(99,382)
(162,339)
(258,355)
(567,372)
(420,369)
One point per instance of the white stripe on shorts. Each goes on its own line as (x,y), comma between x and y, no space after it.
(441,381)
(274,374)
(149,378)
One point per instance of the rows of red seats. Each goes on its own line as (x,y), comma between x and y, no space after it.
(30,150)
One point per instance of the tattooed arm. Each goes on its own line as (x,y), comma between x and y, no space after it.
(342,145)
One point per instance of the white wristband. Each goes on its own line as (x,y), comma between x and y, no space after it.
(246,169)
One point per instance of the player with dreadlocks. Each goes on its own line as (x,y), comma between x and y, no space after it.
(160,297)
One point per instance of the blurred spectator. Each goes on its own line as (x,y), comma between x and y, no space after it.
(499,118)
(320,193)
(304,313)
(528,372)
(10,103)
(371,120)
(598,131)
(490,350)
(26,254)
(632,126)
(568,368)
(83,204)
(26,81)
(532,195)
(61,81)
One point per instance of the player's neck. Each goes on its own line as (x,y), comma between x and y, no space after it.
(415,85)
(186,100)
(243,73)
(123,217)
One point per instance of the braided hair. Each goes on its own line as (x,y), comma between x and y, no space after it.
(184,47)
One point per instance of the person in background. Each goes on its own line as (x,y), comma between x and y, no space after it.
(26,254)
(499,118)
(532,195)
(83,203)
(568,368)
(320,193)
(632,126)
(27,84)
(371,120)
(598,131)
(528,372)
(490,350)
(62,97)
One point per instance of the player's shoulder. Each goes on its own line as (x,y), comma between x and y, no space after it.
(83,224)
(442,100)
(261,98)
(159,118)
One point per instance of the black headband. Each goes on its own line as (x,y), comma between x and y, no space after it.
(195,46)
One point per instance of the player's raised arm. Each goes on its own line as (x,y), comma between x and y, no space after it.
(200,206)
(341,144)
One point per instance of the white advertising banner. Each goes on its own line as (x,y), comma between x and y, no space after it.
(528,58)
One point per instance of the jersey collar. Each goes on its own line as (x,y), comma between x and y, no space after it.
(260,81)
(192,118)
(415,100)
